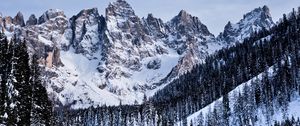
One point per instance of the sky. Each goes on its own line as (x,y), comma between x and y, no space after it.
(213,13)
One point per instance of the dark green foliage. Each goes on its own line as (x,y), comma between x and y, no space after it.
(24,100)
(226,110)
(21,75)
(3,74)
(42,107)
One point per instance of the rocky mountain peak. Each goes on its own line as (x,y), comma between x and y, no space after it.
(32,20)
(266,9)
(120,17)
(184,15)
(86,30)
(51,14)
(150,17)
(190,38)
(19,19)
(262,13)
(155,26)
(228,25)
(44,36)
(266,12)
(255,20)
(7,24)
(228,30)
(185,23)
(88,12)
(8,19)
(119,8)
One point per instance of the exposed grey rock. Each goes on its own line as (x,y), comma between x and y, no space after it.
(155,26)
(44,39)
(228,33)
(185,27)
(154,64)
(127,35)
(259,18)
(87,31)
(50,14)
(185,23)
(120,8)
(32,20)
(19,19)
(8,24)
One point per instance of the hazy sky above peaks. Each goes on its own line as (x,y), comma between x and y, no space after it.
(213,13)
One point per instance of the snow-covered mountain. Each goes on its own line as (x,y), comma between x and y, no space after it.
(253,21)
(190,38)
(90,59)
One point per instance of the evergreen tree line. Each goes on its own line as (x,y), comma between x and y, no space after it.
(259,100)
(221,73)
(288,122)
(23,98)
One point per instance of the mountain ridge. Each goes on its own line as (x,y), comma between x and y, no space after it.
(120,55)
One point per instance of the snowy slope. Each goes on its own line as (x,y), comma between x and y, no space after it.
(231,96)
(78,80)
(293,109)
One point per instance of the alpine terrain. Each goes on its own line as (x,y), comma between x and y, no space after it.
(122,69)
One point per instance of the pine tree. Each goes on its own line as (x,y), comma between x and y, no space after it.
(226,110)
(41,105)
(20,104)
(200,120)
(3,77)
(22,85)
(12,93)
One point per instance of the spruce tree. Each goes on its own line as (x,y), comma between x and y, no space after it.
(12,93)
(226,110)
(22,85)
(3,77)
(42,107)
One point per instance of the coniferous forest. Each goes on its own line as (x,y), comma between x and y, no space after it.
(24,99)
(267,64)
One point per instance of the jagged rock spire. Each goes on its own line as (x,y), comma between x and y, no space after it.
(32,20)
(50,14)
(119,8)
(19,19)
(86,29)
(186,23)
(252,21)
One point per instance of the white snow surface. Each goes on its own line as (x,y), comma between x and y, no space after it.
(79,80)
(293,109)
